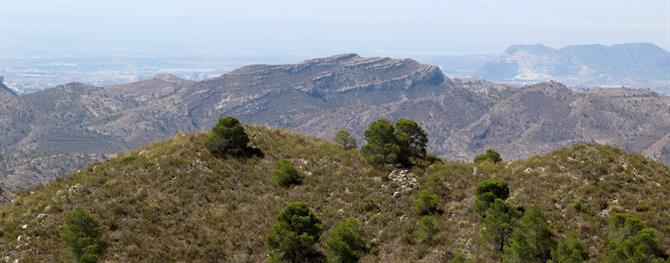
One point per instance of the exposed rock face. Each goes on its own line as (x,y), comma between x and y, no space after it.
(79,123)
(405,181)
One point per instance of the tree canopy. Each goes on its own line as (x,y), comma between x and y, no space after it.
(294,235)
(394,144)
(228,138)
(345,139)
(82,233)
(490,155)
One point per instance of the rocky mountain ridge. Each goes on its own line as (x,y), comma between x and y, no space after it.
(56,131)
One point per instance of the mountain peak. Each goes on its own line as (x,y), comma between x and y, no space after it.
(165,76)
(530,48)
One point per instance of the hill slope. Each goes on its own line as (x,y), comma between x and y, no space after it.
(76,124)
(173,201)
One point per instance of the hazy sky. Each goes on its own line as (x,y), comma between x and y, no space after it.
(312,28)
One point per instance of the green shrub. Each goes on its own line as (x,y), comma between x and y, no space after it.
(490,155)
(426,203)
(428,228)
(532,239)
(344,139)
(285,174)
(435,185)
(569,250)
(82,234)
(294,235)
(346,242)
(629,240)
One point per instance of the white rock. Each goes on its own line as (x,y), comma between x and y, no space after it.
(24,226)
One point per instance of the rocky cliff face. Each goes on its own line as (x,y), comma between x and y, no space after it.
(78,123)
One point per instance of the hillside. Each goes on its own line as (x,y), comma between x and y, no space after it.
(173,200)
(53,132)
(630,64)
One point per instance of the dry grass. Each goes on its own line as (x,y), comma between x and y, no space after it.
(173,201)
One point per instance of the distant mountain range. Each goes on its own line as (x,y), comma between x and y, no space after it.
(638,65)
(55,131)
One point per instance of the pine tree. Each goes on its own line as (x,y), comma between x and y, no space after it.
(82,233)
(294,235)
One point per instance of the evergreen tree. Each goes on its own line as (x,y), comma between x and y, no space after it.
(499,223)
(412,140)
(294,235)
(518,248)
(569,250)
(382,147)
(532,239)
(228,138)
(344,139)
(82,234)
(487,192)
(629,240)
(346,244)
(402,143)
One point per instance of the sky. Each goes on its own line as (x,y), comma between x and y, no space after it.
(316,28)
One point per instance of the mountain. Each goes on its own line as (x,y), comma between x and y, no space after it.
(59,130)
(174,201)
(631,64)
(4,89)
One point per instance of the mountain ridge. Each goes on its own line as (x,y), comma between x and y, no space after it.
(82,123)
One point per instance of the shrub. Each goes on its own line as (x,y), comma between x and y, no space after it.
(435,185)
(428,228)
(345,242)
(426,203)
(285,174)
(82,234)
(344,139)
(490,155)
(294,235)
(629,240)
(569,250)
(228,138)
(488,191)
